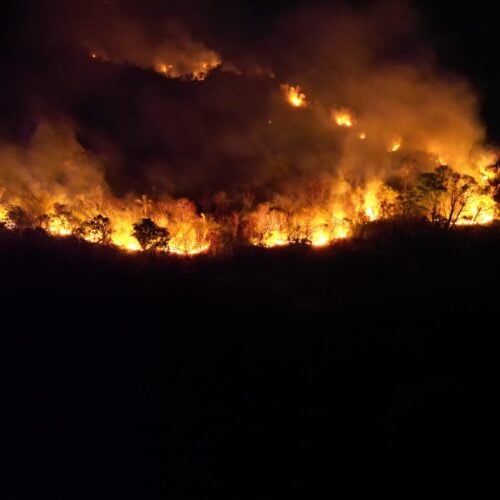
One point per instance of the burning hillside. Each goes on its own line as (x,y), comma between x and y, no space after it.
(301,144)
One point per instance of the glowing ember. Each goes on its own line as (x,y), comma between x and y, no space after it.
(362,136)
(294,96)
(343,117)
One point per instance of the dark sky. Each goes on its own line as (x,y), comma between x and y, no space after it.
(149,129)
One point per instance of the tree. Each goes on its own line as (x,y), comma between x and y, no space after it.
(62,220)
(146,204)
(429,191)
(459,189)
(443,195)
(18,218)
(97,230)
(150,236)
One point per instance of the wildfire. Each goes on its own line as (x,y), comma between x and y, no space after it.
(269,225)
(343,117)
(63,192)
(294,96)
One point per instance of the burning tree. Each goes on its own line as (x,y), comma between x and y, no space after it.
(444,194)
(97,230)
(151,236)
(61,222)
(18,218)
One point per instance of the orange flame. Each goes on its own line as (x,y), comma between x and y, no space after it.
(343,117)
(395,144)
(294,96)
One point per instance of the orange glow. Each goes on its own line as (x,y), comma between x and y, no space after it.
(294,96)
(362,136)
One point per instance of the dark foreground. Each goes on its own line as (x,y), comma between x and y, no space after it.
(268,374)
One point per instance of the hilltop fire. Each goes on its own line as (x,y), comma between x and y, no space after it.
(155,135)
(337,206)
(65,194)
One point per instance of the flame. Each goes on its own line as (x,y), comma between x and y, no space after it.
(200,69)
(204,68)
(371,202)
(395,144)
(294,96)
(3,214)
(479,210)
(163,68)
(58,227)
(343,117)
(341,232)
(320,238)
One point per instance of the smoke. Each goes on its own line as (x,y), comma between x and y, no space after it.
(51,168)
(172,53)
(372,61)
(235,130)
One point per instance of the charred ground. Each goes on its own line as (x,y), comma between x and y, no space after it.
(251,374)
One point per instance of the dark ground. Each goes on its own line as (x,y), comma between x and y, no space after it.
(268,374)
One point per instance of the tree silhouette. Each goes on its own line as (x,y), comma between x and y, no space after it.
(18,218)
(64,218)
(97,230)
(429,191)
(151,236)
